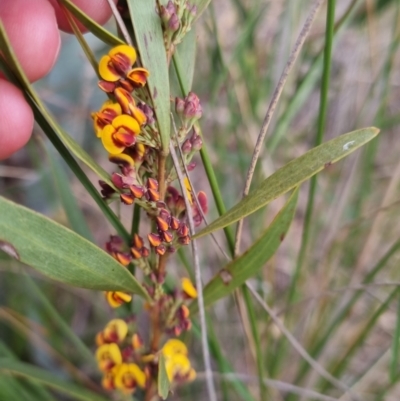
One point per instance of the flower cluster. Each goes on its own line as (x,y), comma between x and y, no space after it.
(128,131)
(177,18)
(127,362)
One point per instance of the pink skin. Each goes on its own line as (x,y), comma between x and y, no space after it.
(32,27)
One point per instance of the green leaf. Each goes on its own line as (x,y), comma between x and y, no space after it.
(292,175)
(150,42)
(92,25)
(184,60)
(201,6)
(43,376)
(163,383)
(247,265)
(23,81)
(59,253)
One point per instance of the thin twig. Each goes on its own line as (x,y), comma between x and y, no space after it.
(272,106)
(120,22)
(203,325)
(277,384)
(299,348)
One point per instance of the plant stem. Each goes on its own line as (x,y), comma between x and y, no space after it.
(323,107)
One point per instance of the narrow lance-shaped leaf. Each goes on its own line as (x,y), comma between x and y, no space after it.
(247,265)
(59,253)
(150,41)
(184,61)
(292,175)
(31,372)
(163,383)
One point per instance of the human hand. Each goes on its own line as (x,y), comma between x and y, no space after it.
(32,27)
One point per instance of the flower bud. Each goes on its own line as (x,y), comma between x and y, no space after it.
(186,147)
(127,199)
(179,106)
(173,23)
(154,239)
(196,142)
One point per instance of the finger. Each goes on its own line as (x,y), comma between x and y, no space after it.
(16,119)
(98,10)
(33,32)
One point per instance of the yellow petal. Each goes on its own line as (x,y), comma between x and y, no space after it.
(117,298)
(188,288)
(108,356)
(107,71)
(126,50)
(174,346)
(122,159)
(116,330)
(127,122)
(108,142)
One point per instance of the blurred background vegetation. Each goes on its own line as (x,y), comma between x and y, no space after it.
(345,309)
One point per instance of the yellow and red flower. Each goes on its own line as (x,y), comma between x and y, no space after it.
(108,356)
(177,363)
(117,65)
(120,134)
(117,298)
(128,376)
(115,331)
(108,111)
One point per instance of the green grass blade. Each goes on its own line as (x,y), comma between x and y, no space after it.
(31,372)
(62,327)
(92,26)
(323,108)
(59,253)
(257,343)
(150,41)
(395,347)
(247,265)
(292,175)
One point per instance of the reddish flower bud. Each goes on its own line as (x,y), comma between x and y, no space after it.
(179,106)
(175,223)
(137,241)
(123,258)
(184,312)
(137,191)
(183,230)
(161,224)
(136,253)
(152,183)
(145,252)
(165,215)
(177,331)
(186,147)
(153,195)
(196,141)
(118,181)
(174,23)
(161,249)
(184,240)
(154,239)
(202,198)
(191,166)
(167,236)
(106,190)
(127,199)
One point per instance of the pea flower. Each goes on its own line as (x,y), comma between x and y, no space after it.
(128,376)
(108,356)
(117,298)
